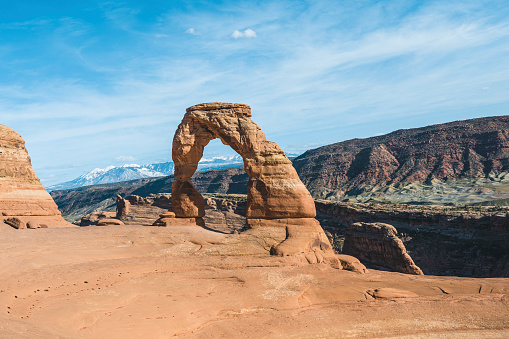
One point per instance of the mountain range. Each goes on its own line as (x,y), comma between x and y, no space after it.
(112,174)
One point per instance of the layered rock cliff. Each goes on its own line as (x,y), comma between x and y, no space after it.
(441,240)
(462,149)
(23,200)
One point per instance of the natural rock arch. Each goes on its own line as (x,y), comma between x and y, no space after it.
(274,188)
(276,197)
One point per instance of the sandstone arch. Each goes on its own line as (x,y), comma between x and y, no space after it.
(276,197)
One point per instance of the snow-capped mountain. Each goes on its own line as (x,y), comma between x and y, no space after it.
(132,171)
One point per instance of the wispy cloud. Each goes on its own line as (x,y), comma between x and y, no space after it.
(191,31)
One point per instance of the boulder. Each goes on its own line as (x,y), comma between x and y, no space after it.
(109,222)
(33,225)
(15,222)
(378,244)
(93,218)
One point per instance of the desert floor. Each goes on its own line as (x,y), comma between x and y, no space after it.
(188,282)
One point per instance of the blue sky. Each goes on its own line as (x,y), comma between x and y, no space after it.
(94,83)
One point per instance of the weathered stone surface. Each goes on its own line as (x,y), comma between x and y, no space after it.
(168,214)
(15,222)
(377,243)
(109,222)
(95,217)
(21,193)
(172,221)
(390,293)
(33,225)
(351,263)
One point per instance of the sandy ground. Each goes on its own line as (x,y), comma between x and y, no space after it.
(188,282)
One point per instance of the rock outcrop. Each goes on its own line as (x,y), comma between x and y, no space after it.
(276,197)
(22,196)
(123,207)
(94,217)
(378,244)
(109,222)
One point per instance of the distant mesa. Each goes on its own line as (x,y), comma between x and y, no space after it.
(23,201)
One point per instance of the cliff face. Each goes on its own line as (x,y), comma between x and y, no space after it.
(440,240)
(461,149)
(23,199)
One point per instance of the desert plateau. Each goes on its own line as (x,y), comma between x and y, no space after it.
(187,282)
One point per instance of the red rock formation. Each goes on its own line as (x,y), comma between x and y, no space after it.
(275,196)
(109,222)
(461,149)
(377,243)
(22,196)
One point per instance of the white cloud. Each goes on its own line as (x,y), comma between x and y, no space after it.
(159,35)
(248,33)
(192,31)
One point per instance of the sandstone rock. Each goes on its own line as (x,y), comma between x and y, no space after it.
(21,194)
(33,225)
(168,214)
(123,207)
(390,293)
(378,244)
(172,221)
(93,218)
(351,263)
(109,222)
(15,222)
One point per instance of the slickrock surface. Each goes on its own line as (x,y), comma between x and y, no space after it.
(378,244)
(22,196)
(462,149)
(276,198)
(186,282)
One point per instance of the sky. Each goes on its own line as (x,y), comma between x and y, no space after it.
(95,83)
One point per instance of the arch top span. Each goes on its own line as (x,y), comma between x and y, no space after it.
(222,107)
(274,188)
